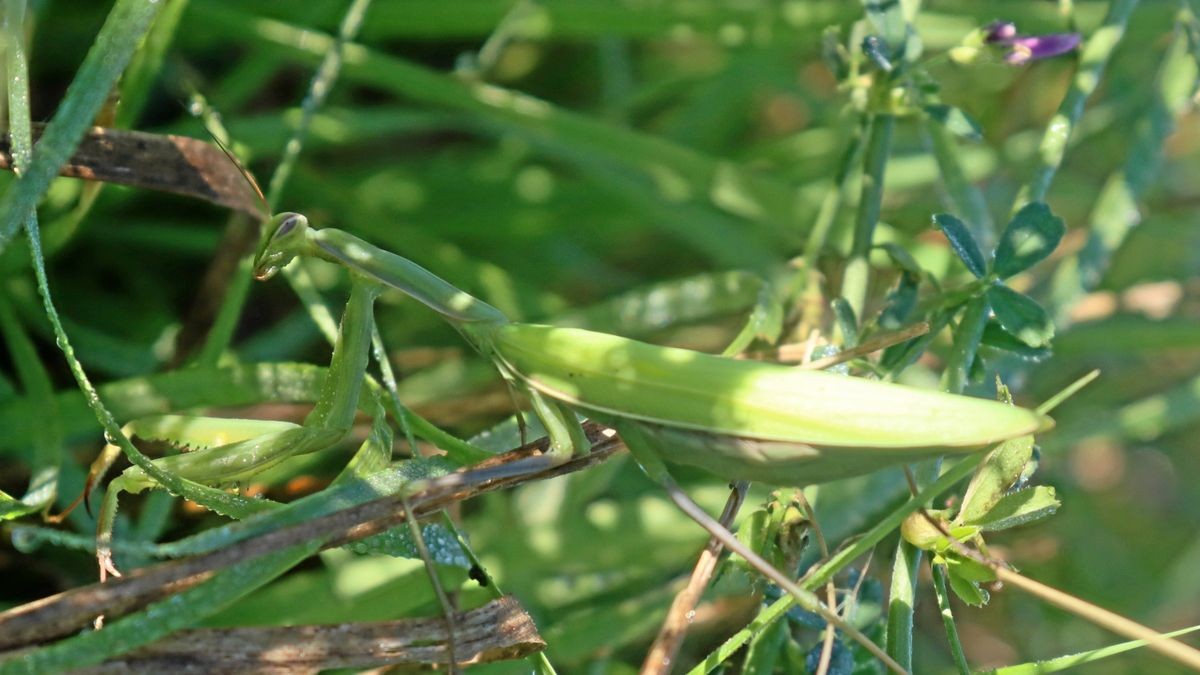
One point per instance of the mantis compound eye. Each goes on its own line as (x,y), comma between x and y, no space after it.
(289,223)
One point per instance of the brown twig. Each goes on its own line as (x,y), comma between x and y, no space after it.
(497,631)
(68,612)
(830,589)
(661,656)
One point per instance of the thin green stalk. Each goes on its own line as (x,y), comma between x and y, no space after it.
(858,271)
(517,21)
(762,201)
(1092,62)
(1116,211)
(943,600)
(139,78)
(35,381)
(836,192)
(1072,662)
(965,198)
(966,343)
(807,280)
(322,83)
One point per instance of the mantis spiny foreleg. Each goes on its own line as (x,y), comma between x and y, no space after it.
(247,447)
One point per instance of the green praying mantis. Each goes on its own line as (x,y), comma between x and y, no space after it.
(740,419)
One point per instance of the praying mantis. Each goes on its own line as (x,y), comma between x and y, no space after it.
(740,419)
(743,420)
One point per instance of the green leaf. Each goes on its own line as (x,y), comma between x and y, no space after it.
(1072,662)
(1021,316)
(968,569)
(968,591)
(1033,234)
(846,321)
(999,471)
(110,53)
(903,259)
(962,242)
(955,121)
(12,508)
(996,337)
(900,303)
(1020,507)
(398,542)
(887,19)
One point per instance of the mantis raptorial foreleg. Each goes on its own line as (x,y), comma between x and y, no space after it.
(740,419)
(224,451)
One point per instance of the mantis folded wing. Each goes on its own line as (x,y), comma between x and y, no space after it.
(738,419)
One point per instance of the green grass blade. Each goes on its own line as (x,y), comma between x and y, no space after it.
(1093,60)
(1073,661)
(106,60)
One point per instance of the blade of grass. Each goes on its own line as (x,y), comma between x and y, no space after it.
(689,175)
(323,80)
(1092,62)
(1116,211)
(106,60)
(48,440)
(1073,661)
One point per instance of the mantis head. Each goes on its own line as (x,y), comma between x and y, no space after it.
(283,239)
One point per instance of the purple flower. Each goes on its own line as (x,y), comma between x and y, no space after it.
(1025,48)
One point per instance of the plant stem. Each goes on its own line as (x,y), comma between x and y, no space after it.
(1092,62)
(858,271)
(943,600)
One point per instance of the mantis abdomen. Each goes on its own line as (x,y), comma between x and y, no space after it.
(751,419)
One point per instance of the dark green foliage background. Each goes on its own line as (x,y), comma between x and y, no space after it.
(605,188)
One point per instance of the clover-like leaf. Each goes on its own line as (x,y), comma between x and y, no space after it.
(1019,508)
(1021,316)
(841,659)
(968,569)
(899,304)
(1000,470)
(887,19)
(968,591)
(955,121)
(903,259)
(996,337)
(962,242)
(846,321)
(1032,234)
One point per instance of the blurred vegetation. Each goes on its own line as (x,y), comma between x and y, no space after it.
(548,156)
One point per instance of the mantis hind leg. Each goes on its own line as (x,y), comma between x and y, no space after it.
(187,432)
(566,436)
(199,437)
